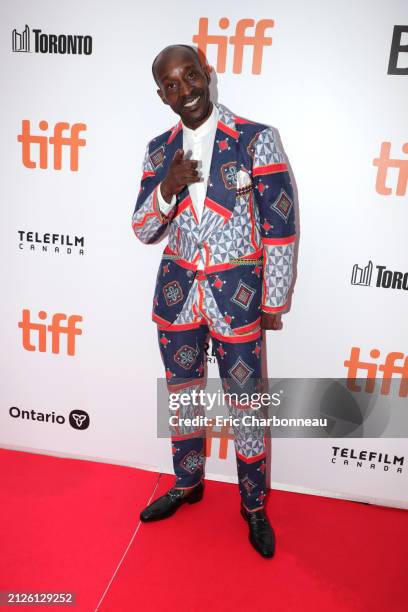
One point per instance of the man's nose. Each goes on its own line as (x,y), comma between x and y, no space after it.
(185,89)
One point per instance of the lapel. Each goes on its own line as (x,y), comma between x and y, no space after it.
(222,181)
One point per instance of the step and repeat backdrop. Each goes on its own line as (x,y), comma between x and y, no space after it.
(79,357)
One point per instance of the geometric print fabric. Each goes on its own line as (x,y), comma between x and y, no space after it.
(278,273)
(188,444)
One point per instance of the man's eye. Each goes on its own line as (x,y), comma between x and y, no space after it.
(192,74)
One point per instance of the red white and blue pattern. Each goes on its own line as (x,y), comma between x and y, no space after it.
(245,240)
(239,363)
(249,209)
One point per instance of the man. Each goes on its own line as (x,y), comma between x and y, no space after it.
(220,186)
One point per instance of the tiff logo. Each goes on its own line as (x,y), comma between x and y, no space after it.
(239,40)
(362,276)
(21,41)
(388,368)
(224,434)
(397,47)
(73,142)
(383,163)
(55,329)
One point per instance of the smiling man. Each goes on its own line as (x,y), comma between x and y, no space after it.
(219,185)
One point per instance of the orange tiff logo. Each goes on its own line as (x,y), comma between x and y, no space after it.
(57,140)
(239,40)
(384,162)
(55,330)
(224,434)
(389,369)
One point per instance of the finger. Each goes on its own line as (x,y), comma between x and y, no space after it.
(178,156)
(188,172)
(193,163)
(189,163)
(182,181)
(193,179)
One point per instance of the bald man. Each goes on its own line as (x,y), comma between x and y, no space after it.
(219,186)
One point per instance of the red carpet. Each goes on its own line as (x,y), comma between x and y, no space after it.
(70,525)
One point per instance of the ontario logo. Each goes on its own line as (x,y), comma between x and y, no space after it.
(78,419)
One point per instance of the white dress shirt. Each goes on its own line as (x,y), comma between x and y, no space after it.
(197,144)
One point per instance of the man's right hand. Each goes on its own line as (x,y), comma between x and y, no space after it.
(182,172)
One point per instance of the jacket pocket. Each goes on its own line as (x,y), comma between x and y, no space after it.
(172,288)
(238,293)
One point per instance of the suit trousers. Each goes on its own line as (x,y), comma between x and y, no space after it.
(239,364)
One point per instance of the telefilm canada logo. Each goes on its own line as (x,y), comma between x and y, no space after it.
(367,459)
(77,419)
(383,278)
(40,42)
(53,243)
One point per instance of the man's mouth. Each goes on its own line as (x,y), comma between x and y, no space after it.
(192,103)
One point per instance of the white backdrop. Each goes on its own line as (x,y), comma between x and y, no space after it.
(324,85)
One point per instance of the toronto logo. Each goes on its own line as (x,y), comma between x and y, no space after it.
(63,44)
(386,279)
(21,40)
(362,275)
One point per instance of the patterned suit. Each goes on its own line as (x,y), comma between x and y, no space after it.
(245,240)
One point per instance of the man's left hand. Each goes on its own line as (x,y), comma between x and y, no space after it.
(271,321)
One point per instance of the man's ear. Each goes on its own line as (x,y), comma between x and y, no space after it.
(208,70)
(161,95)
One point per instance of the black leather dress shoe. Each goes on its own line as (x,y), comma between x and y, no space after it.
(261,534)
(167,504)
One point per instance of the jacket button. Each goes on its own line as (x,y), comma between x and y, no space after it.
(190,273)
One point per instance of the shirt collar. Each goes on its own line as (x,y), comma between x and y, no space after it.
(209,124)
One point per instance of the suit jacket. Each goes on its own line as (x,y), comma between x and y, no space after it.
(246,234)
